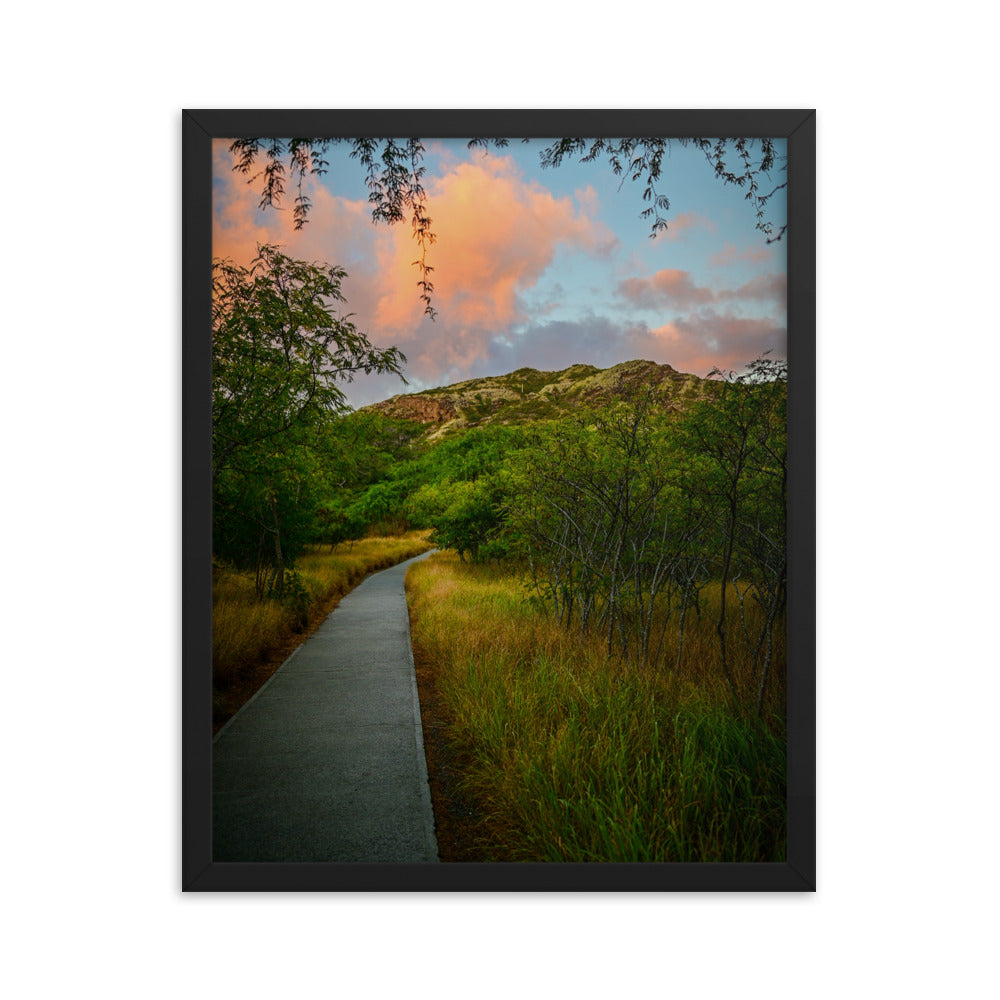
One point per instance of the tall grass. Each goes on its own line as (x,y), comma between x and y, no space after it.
(572,757)
(248,633)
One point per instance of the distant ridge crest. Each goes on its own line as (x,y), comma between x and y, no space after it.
(529,394)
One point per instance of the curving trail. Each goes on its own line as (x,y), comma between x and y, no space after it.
(326,762)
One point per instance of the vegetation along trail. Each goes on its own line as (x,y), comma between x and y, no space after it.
(326,762)
(600,645)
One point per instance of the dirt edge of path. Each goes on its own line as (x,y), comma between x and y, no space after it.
(457,819)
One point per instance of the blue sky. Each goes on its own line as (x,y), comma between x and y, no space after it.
(539,268)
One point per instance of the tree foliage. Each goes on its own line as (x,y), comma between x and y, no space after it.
(279,351)
(394,179)
(611,535)
(623,516)
(466,515)
(743,442)
(628,513)
(734,161)
(620,517)
(456,487)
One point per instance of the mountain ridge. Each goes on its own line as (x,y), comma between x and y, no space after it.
(530,394)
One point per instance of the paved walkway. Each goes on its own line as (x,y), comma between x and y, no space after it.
(326,762)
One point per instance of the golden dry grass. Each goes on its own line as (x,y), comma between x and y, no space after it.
(570,756)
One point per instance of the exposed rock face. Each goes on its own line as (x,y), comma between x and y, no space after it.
(425,409)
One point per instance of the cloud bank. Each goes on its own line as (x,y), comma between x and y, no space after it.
(498,233)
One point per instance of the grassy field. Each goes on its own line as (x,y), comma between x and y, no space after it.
(251,638)
(564,756)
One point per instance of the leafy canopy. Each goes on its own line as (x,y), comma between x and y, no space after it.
(279,351)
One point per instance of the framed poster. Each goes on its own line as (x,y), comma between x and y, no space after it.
(498,500)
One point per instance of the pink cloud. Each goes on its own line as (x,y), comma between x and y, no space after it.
(679,224)
(496,234)
(729,254)
(765,287)
(670,287)
(695,344)
(699,343)
(336,230)
(674,289)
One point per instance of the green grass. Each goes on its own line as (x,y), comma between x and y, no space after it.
(570,757)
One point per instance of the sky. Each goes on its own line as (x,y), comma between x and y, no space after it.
(540,268)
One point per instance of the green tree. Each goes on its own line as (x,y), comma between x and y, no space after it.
(596,502)
(360,449)
(740,438)
(460,488)
(467,515)
(279,350)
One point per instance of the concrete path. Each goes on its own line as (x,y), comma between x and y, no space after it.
(326,762)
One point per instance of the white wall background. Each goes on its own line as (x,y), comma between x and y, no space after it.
(89,556)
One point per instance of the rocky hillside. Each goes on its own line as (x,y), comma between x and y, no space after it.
(528,394)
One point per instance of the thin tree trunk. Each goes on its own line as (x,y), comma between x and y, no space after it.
(720,625)
(776,602)
(279,565)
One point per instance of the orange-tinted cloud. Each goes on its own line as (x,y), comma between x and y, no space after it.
(680,224)
(336,229)
(729,254)
(709,340)
(670,287)
(765,287)
(496,233)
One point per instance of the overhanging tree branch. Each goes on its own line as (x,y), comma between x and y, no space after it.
(394,175)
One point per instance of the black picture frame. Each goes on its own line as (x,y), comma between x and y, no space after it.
(199,873)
